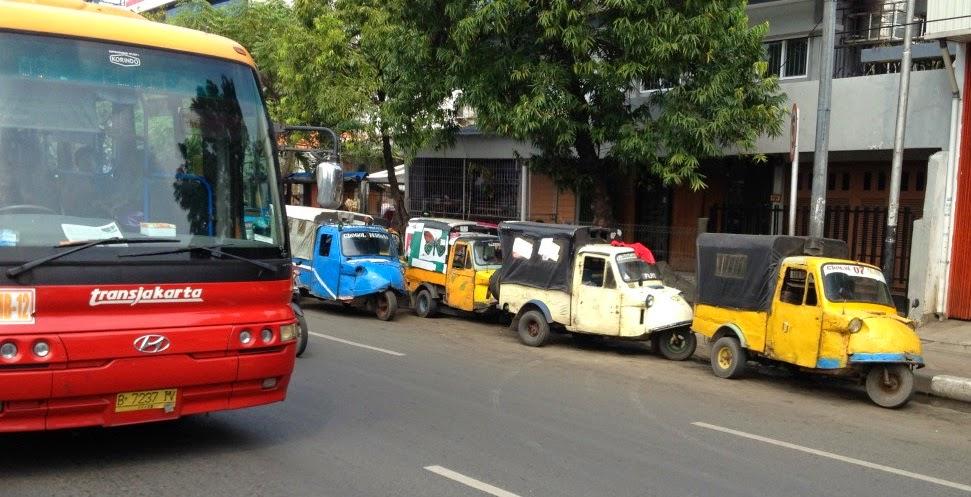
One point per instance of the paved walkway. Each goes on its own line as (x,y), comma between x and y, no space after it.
(947,353)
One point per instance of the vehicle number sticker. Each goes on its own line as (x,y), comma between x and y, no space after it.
(17,305)
(854,270)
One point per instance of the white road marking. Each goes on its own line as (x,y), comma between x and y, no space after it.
(363,346)
(470,482)
(830,455)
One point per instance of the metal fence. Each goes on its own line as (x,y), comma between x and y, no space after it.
(862,228)
(484,189)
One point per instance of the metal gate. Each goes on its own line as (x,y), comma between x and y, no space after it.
(480,189)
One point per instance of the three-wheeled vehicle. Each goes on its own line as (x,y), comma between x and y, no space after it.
(449,262)
(567,277)
(341,257)
(801,302)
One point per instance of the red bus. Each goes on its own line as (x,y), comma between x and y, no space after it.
(144,266)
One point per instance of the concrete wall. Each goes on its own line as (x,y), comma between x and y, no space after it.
(864,112)
(926,242)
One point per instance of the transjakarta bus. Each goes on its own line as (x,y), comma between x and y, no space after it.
(144,268)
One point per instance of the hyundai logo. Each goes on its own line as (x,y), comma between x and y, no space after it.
(152,344)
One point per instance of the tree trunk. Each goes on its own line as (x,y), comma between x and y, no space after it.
(603,209)
(592,166)
(400,212)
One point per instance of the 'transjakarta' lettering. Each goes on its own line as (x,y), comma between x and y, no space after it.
(142,295)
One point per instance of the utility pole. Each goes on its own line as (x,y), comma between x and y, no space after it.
(890,238)
(817,207)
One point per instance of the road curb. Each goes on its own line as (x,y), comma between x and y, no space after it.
(945,386)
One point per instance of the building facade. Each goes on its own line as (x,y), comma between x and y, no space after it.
(746,198)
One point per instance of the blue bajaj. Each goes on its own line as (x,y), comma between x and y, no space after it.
(354,264)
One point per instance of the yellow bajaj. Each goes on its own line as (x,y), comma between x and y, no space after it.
(765,298)
(448,264)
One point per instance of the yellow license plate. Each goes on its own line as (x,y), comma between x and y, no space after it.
(17,306)
(149,399)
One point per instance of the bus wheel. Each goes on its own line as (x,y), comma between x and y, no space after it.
(425,305)
(728,358)
(533,328)
(677,345)
(890,385)
(303,335)
(386,305)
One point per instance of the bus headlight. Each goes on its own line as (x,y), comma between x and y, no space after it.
(41,349)
(288,332)
(856,324)
(8,350)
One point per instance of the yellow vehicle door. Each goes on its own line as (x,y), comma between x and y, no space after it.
(460,280)
(795,323)
(596,300)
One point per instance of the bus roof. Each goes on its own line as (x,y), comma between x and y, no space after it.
(79,19)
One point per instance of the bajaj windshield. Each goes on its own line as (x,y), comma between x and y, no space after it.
(99,140)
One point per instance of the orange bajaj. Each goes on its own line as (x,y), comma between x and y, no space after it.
(132,286)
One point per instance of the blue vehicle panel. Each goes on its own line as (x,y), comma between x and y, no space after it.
(350,263)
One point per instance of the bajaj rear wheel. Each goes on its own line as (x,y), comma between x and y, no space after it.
(728,358)
(425,305)
(890,385)
(533,328)
(386,305)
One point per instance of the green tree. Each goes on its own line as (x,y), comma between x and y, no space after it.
(350,65)
(561,74)
(390,74)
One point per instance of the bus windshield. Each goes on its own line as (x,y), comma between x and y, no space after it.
(855,283)
(101,140)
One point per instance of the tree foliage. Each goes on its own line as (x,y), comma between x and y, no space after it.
(564,75)
(349,65)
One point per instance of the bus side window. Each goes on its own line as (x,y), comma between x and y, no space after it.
(324,249)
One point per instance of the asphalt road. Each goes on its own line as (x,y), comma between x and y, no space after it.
(451,407)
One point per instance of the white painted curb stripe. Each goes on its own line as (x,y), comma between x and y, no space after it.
(830,455)
(470,482)
(363,346)
(951,387)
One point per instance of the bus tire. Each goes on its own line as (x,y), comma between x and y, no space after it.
(303,335)
(728,358)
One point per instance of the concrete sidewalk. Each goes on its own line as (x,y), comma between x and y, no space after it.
(947,353)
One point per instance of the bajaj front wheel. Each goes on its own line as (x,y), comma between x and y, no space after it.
(890,385)
(303,335)
(386,305)
(677,345)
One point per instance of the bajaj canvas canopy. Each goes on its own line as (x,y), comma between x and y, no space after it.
(740,271)
(303,222)
(541,255)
